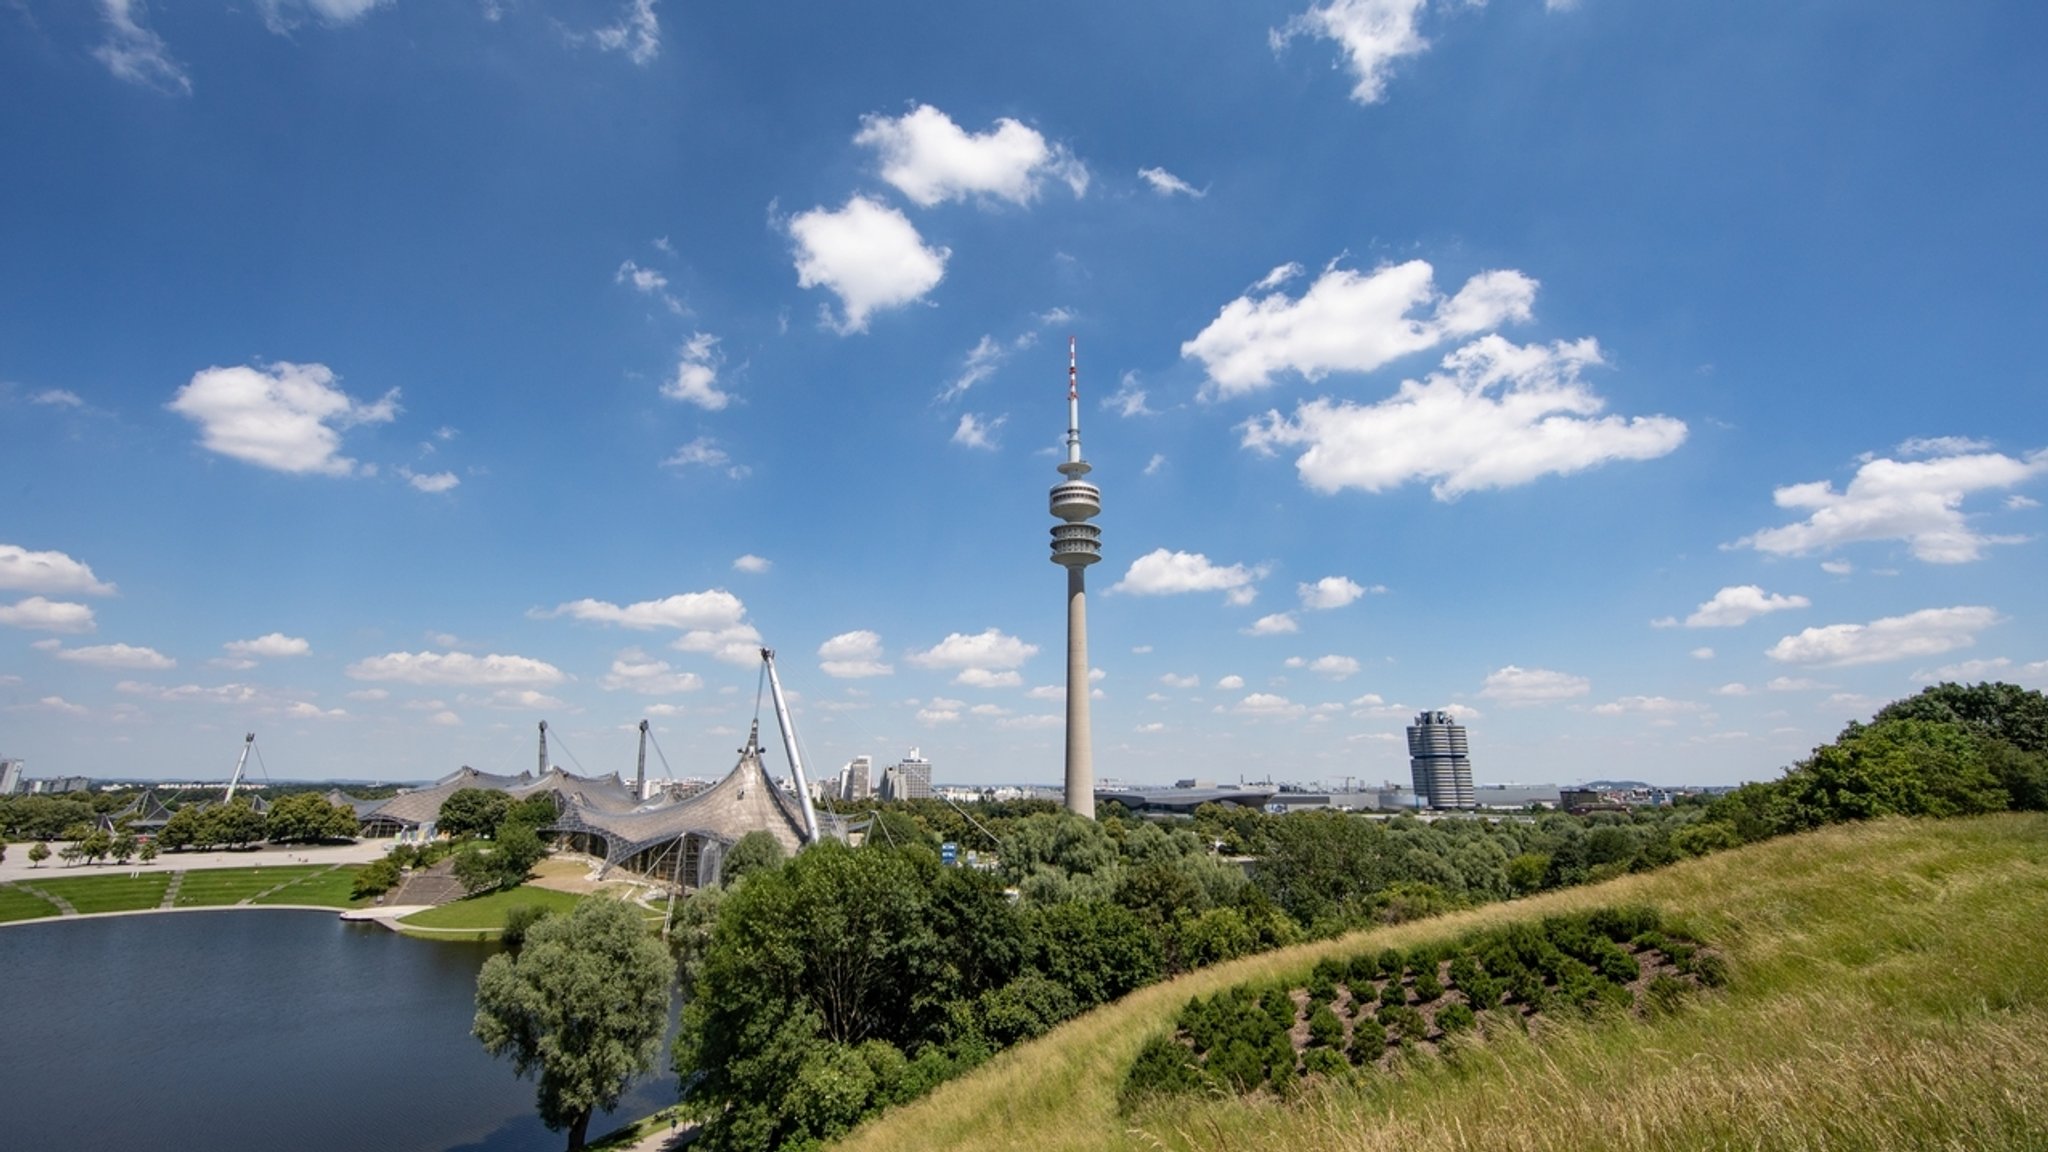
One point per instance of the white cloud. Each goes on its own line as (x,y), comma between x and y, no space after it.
(2014,503)
(696,378)
(939,710)
(370,695)
(1918,501)
(984,678)
(713,609)
(986,649)
(58,398)
(1738,604)
(869,255)
(1928,632)
(1372,33)
(1278,624)
(1174,681)
(1151,728)
(43,615)
(1153,465)
(1230,684)
(636,671)
(1329,592)
(1843,567)
(305,710)
(286,417)
(1969,670)
(135,53)
(1047,692)
(975,432)
(1265,705)
(445,720)
(853,655)
(752,564)
(1941,446)
(980,363)
(25,571)
(637,33)
(456,668)
(931,160)
(109,655)
(329,12)
(235,694)
(1732,689)
(53,704)
(1794,684)
(1517,686)
(270,646)
(1645,705)
(1348,321)
(1031,723)
(1164,573)
(1496,415)
(648,282)
(1701,653)
(704,452)
(734,644)
(1334,667)
(1278,276)
(432,483)
(1128,399)
(1167,184)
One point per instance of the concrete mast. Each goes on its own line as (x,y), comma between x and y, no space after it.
(1075,545)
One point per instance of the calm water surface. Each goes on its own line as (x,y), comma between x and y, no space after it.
(256,1030)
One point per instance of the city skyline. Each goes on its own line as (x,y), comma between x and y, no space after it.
(1638,385)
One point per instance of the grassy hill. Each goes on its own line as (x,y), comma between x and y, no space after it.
(1889,990)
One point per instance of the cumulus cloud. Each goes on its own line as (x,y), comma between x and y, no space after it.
(1277,624)
(696,378)
(1348,321)
(2014,503)
(1928,632)
(1843,567)
(1329,592)
(432,483)
(1794,684)
(58,398)
(41,615)
(1701,653)
(286,417)
(270,646)
(853,655)
(306,710)
(704,452)
(939,710)
(1373,34)
(1161,572)
(281,16)
(976,432)
(125,656)
(1518,686)
(1918,501)
(986,678)
(1645,705)
(734,644)
(135,53)
(636,671)
(24,571)
(752,564)
(1265,705)
(1732,689)
(1128,399)
(637,33)
(1334,667)
(649,282)
(1167,184)
(1174,681)
(1997,668)
(455,668)
(989,648)
(715,608)
(1737,605)
(867,254)
(931,160)
(1495,416)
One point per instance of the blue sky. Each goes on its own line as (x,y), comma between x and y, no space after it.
(1655,384)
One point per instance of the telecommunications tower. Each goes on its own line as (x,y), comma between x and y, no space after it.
(1075,545)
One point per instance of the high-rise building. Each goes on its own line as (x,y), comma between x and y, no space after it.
(10,777)
(908,779)
(1439,761)
(1075,545)
(857,779)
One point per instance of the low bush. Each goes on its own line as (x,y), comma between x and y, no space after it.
(1368,1040)
(1427,987)
(1324,1029)
(1455,1018)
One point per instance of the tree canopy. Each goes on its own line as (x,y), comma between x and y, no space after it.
(581,1006)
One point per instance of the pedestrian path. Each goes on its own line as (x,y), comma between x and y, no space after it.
(171,890)
(63,906)
(276,888)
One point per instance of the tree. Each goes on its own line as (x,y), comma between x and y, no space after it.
(501,864)
(307,816)
(233,824)
(473,812)
(183,829)
(582,1006)
(37,853)
(755,851)
(124,847)
(96,845)
(147,852)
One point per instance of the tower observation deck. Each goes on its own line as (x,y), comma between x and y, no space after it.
(1076,544)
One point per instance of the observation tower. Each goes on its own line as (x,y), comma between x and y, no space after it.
(1075,545)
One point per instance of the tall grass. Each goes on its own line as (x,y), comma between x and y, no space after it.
(1889,991)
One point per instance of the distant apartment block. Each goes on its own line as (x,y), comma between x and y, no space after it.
(10,777)
(908,779)
(1439,761)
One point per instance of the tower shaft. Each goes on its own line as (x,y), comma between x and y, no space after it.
(1080,745)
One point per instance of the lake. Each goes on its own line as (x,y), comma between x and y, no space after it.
(261,1031)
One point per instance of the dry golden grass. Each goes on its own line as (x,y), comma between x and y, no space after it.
(1890,991)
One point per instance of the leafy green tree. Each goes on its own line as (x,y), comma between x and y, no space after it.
(96,845)
(582,1006)
(37,853)
(1526,872)
(755,851)
(535,811)
(307,816)
(2004,712)
(233,824)
(375,877)
(71,853)
(1098,949)
(147,852)
(124,847)
(1893,768)
(183,829)
(473,812)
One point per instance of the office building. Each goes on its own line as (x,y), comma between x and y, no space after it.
(1439,761)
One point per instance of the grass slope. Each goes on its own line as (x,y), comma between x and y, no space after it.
(487,913)
(1887,992)
(108,892)
(330,888)
(18,905)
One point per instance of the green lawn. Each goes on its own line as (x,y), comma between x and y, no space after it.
(18,905)
(215,886)
(487,913)
(109,892)
(329,889)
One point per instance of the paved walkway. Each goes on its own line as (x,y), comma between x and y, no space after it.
(17,867)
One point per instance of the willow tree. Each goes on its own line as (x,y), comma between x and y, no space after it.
(582,1005)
